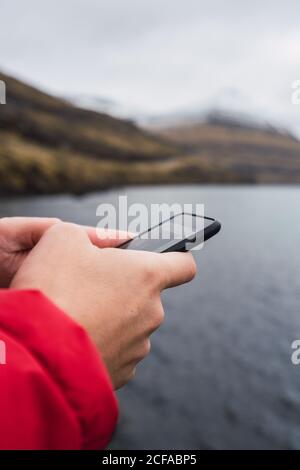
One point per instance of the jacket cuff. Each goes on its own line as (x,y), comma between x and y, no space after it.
(65,351)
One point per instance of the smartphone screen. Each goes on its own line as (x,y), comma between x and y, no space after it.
(175,232)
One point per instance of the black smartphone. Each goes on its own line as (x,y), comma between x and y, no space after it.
(182,232)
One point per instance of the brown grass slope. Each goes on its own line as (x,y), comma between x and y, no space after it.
(48,145)
(222,152)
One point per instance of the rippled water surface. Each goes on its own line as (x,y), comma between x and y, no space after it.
(220,374)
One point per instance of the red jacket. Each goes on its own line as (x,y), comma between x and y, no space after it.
(55,392)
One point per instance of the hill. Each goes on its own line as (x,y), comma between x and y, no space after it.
(224,149)
(49,145)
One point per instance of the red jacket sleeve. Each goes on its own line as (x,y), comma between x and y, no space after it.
(55,392)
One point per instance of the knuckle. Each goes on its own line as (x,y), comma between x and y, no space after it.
(142,351)
(64,229)
(145,349)
(68,226)
(56,228)
(130,374)
(157,317)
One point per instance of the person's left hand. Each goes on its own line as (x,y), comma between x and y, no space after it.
(18,235)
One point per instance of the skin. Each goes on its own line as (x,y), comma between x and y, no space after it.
(18,235)
(114,294)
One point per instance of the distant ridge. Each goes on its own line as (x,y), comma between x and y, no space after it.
(231,148)
(48,145)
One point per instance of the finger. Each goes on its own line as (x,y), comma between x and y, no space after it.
(177,268)
(23,233)
(107,238)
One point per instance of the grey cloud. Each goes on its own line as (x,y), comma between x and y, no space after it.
(155,54)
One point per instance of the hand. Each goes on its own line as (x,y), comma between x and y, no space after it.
(114,294)
(18,235)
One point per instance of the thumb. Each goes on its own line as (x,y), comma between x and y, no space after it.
(177,268)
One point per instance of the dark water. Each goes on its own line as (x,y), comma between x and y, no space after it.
(220,373)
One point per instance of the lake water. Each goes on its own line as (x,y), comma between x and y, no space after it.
(220,373)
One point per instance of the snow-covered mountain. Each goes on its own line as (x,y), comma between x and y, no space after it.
(229,106)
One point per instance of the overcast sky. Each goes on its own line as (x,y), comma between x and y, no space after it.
(158,55)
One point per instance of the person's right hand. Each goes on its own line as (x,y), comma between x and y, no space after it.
(113,293)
